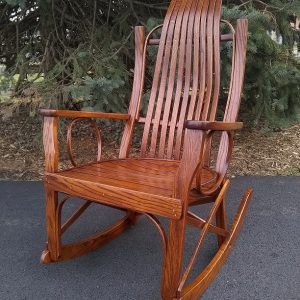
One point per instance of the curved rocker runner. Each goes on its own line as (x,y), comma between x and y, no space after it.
(179,126)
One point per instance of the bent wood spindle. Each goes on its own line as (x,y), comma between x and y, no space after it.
(174,170)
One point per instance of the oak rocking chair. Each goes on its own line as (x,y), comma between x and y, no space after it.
(173,172)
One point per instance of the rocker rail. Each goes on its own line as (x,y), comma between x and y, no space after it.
(201,283)
(89,244)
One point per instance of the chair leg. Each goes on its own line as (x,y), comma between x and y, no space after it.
(53,227)
(133,217)
(172,264)
(221,220)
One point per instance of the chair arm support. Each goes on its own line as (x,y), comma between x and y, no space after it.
(198,134)
(82,114)
(215,125)
(50,139)
(50,142)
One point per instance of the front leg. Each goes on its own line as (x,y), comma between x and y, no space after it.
(52,251)
(172,265)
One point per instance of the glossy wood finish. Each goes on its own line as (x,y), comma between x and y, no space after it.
(125,181)
(82,114)
(207,125)
(202,236)
(173,172)
(92,243)
(136,90)
(235,91)
(75,216)
(200,284)
(196,221)
(50,144)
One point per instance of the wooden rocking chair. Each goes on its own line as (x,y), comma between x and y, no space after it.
(173,171)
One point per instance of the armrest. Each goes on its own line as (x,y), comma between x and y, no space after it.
(82,114)
(215,125)
(194,149)
(50,132)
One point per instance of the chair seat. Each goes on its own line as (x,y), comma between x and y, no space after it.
(138,180)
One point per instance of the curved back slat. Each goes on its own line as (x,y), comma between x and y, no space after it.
(235,91)
(136,90)
(170,16)
(186,77)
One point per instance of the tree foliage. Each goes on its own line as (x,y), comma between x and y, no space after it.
(272,90)
(83,51)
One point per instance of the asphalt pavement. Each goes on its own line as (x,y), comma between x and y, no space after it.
(264,264)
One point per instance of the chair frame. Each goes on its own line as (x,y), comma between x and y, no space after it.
(197,140)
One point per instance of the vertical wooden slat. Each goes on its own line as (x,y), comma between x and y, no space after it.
(179,83)
(196,61)
(186,80)
(202,68)
(187,83)
(217,62)
(216,78)
(171,84)
(209,59)
(156,78)
(137,86)
(164,75)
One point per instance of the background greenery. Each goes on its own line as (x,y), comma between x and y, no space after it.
(79,53)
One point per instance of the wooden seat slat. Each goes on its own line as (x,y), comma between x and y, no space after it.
(116,196)
(133,174)
(141,172)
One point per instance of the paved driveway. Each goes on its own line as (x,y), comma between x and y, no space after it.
(265,264)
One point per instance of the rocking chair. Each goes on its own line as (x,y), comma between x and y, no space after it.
(173,172)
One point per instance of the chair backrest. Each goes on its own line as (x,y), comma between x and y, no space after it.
(186,80)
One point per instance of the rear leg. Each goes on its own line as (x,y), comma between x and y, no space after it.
(221,220)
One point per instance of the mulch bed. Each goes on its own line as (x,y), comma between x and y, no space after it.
(255,153)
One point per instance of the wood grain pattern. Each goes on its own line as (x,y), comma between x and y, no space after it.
(221,221)
(236,85)
(203,235)
(89,244)
(172,266)
(127,177)
(201,283)
(173,172)
(196,221)
(105,185)
(82,114)
(156,77)
(136,91)
(75,216)
(53,224)
(50,144)
(213,125)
